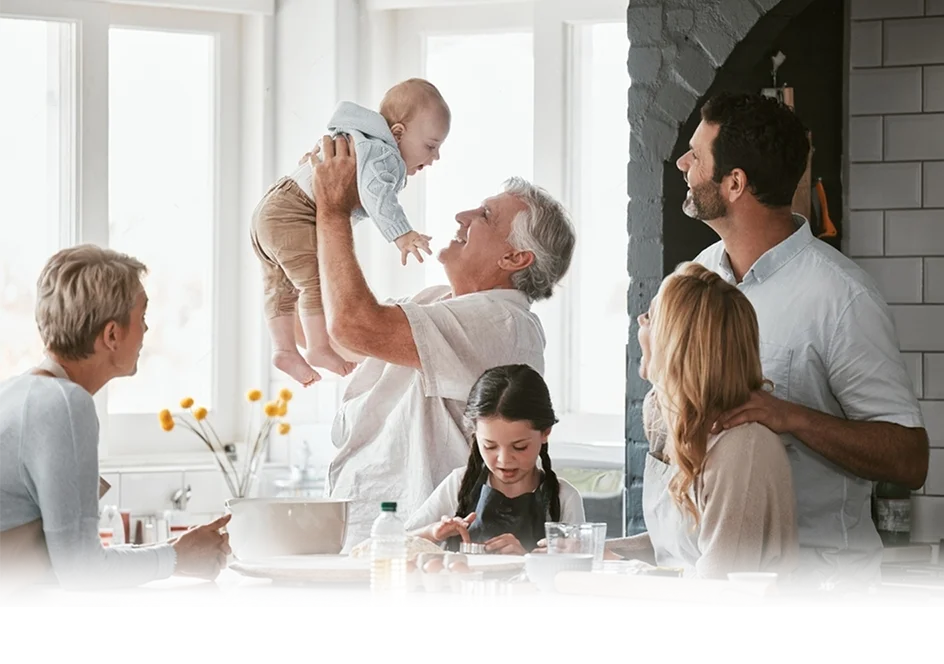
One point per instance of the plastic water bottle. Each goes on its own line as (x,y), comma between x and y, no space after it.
(388,552)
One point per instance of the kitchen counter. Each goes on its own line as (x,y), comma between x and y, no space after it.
(234,590)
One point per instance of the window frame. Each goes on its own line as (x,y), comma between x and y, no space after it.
(556,42)
(84,212)
(123,431)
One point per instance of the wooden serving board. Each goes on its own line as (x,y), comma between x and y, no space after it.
(706,591)
(344,569)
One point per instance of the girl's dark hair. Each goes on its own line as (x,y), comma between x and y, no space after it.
(513,392)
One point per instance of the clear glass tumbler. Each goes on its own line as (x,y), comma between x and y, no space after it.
(568,538)
(594,535)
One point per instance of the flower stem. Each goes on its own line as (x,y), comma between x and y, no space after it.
(252,459)
(219,444)
(216,457)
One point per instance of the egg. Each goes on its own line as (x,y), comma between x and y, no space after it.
(459,567)
(433,566)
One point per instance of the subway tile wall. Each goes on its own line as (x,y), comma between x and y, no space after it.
(895,225)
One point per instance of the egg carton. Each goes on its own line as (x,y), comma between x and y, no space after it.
(442,580)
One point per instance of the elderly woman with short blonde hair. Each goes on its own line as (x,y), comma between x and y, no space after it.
(90,312)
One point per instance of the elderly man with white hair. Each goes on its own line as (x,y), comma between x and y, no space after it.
(399,429)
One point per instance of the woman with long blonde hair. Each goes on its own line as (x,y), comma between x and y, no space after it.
(713,503)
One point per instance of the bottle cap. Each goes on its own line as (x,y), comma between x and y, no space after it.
(388,507)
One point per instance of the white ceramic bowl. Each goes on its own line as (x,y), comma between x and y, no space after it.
(265,527)
(765,578)
(542,568)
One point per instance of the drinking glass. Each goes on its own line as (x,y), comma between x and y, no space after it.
(577,538)
(568,538)
(595,534)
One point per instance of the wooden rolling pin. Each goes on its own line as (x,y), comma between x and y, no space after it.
(632,586)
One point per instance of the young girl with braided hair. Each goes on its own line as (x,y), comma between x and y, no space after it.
(503,497)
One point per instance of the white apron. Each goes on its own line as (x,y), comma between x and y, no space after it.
(673,537)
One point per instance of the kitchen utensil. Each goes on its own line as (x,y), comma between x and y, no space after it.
(826,227)
(267,527)
(658,588)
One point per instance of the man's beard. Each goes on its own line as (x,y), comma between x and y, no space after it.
(704,202)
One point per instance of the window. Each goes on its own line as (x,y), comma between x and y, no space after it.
(539,90)
(137,162)
(472,72)
(598,155)
(35,173)
(171,154)
(161,175)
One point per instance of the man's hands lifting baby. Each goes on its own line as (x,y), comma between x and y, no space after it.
(408,243)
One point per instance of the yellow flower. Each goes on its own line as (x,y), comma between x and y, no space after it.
(271,409)
(284,428)
(200,413)
(283,409)
(254,395)
(186,402)
(166,419)
(285,394)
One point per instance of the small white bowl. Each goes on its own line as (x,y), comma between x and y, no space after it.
(542,568)
(753,577)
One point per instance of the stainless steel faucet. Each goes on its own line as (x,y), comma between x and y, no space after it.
(181,498)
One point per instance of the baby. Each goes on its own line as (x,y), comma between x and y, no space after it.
(400,140)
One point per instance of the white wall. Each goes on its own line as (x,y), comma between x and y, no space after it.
(895,225)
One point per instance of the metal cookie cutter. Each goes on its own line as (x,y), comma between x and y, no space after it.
(471,547)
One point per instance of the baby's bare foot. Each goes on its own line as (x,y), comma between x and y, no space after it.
(325,357)
(292,363)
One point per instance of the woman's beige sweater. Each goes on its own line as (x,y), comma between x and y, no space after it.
(745,500)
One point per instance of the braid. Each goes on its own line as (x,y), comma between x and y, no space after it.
(467,502)
(551,485)
(473,472)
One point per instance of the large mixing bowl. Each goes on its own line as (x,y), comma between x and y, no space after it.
(265,527)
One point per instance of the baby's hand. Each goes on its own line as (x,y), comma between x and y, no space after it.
(308,155)
(411,243)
